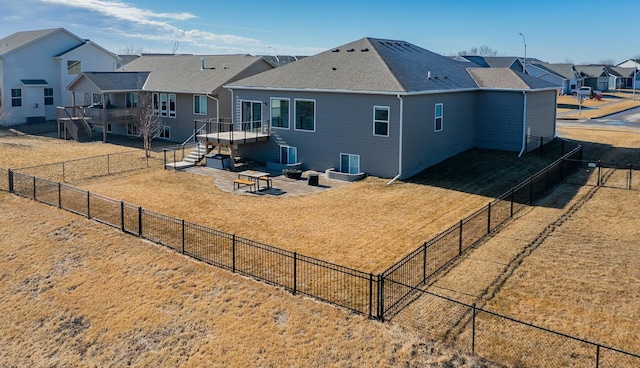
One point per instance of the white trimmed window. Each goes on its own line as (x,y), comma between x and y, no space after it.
(165,132)
(288,155)
(439,112)
(48,96)
(349,163)
(200,104)
(305,115)
(16,97)
(172,105)
(131,99)
(280,113)
(132,129)
(156,103)
(74,66)
(164,104)
(381,121)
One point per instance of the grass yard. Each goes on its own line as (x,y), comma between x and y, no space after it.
(568,106)
(569,269)
(366,225)
(78,293)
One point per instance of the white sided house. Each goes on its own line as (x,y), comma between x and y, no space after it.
(35,68)
(388,108)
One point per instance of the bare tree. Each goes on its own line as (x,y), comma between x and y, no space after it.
(480,51)
(148,125)
(131,50)
(607,61)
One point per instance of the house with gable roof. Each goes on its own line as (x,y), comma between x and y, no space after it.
(184,89)
(389,108)
(35,66)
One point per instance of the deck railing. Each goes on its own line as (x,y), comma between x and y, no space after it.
(224,129)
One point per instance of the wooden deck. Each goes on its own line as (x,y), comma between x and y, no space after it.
(234,137)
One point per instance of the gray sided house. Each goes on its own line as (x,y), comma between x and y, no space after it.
(184,89)
(388,108)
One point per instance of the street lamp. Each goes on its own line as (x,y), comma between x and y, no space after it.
(524,66)
(277,58)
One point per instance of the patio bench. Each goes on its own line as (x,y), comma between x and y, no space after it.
(238,182)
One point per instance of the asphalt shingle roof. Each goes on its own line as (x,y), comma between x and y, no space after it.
(20,39)
(183,73)
(368,64)
(562,69)
(505,78)
(118,81)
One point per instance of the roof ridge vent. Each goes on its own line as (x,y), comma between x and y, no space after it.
(364,50)
(335,50)
(351,50)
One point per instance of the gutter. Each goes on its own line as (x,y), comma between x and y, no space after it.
(399,142)
(524,124)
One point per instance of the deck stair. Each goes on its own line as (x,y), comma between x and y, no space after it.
(74,123)
(192,159)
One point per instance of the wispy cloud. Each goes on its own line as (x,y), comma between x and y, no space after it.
(146,24)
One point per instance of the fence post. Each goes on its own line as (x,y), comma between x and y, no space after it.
(233,254)
(370,294)
(460,238)
(424,263)
(489,218)
(88,204)
(122,216)
(511,210)
(10,176)
(295,273)
(140,221)
(541,143)
(473,331)
(174,160)
(182,236)
(630,174)
(34,188)
(164,158)
(59,195)
(599,165)
(381,298)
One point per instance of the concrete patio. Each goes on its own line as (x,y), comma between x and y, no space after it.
(281,185)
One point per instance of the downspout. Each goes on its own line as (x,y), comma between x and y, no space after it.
(524,124)
(399,142)
(217,106)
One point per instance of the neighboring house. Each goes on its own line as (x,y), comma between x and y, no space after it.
(564,76)
(598,77)
(635,69)
(388,108)
(186,91)
(35,66)
(624,77)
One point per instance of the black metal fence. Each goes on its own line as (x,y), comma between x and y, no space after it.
(377,296)
(607,174)
(343,286)
(401,280)
(509,341)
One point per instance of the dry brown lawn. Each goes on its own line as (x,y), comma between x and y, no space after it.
(78,293)
(366,225)
(610,103)
(573,270)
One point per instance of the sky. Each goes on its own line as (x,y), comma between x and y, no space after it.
(580,32)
